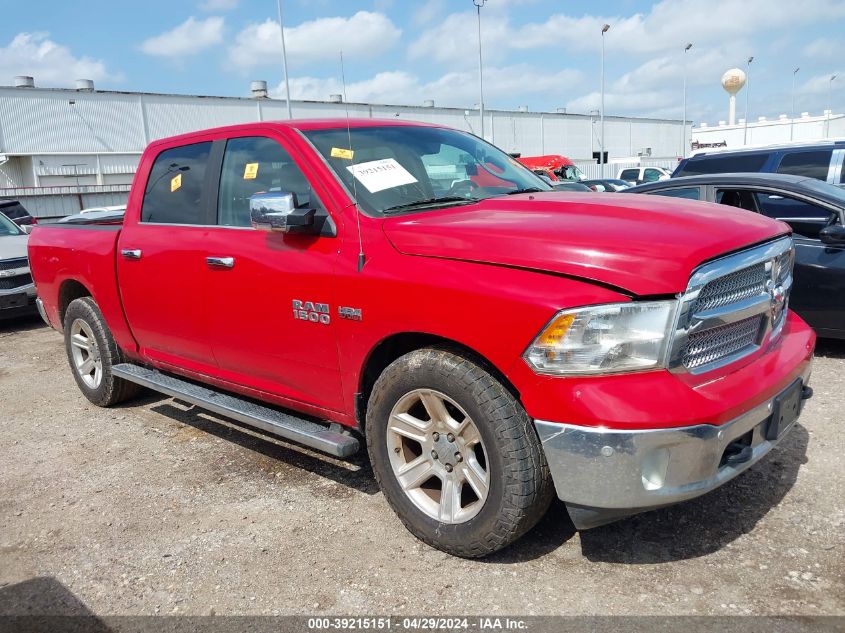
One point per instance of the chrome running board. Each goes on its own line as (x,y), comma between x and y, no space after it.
(312,434)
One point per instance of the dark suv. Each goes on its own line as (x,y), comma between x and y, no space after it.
(16,212)
(822,161)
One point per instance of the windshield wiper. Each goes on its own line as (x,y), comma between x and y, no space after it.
(526,190)
(420,204)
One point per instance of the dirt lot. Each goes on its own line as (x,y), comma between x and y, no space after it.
(157,508)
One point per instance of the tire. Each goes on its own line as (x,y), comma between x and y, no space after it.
(478,520)
(91,352)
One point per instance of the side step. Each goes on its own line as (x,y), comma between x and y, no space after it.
(267,419)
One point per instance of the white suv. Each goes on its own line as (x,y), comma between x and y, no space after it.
(639,175)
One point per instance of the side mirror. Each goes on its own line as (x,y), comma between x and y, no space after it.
(277,211)
(833,235)
(26,228)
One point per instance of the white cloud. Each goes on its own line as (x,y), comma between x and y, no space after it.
(428,12)
(189,38)
(671,23)
(363,35)
(218,5)
(823,48)
(50,63)
(457,88)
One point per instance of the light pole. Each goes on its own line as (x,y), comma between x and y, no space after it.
(829,102)
(792,115)
(747,89)
(478,4)
(684,119)
(284,58)
(604,29)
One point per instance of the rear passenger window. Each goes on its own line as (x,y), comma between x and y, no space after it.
(174,193)
(723,164)
(690,193)
(253,165)
(811,164)
(630,174)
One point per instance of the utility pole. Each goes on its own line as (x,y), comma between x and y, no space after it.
(792,115)
(478,4)
(284,58)
(604,29)
(747,90)
(684,119)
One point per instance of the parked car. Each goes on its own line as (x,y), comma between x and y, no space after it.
(94,216)
(118,208)
(639,175)
(555,166)
(492,345)
(16,212)
(823,160)
(565,185)
(814,210)
(17,292)
(607,184)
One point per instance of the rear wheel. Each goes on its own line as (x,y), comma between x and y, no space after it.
(455,454)
(92,352)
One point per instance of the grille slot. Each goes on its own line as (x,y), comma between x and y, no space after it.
(10,264)
(18,281)
(733,287)
(717,343)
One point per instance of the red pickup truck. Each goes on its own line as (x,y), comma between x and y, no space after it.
(336,282)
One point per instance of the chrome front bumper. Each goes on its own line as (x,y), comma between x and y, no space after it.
(603,474)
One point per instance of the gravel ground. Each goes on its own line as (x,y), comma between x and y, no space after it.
(155,507)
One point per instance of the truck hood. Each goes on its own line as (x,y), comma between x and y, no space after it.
(13,246)
(646,245)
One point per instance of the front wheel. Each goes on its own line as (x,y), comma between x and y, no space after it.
(455,454)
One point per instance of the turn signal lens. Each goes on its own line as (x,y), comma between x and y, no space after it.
(603,339)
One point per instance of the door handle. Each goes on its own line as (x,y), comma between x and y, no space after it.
(131,253)
(220,262)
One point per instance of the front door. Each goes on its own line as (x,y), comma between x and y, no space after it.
(271,306)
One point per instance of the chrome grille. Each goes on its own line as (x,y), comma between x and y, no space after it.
(733,287)
(720,342)
(10,264)
(732,307)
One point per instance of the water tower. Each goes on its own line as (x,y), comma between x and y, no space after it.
(732,81)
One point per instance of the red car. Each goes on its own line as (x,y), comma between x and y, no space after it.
(414,289)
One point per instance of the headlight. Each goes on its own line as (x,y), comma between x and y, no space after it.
(603,339)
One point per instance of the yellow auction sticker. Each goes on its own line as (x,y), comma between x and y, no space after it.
(175,182)
(339,152)
(250,171)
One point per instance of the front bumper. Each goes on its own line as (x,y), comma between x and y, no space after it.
(607,474)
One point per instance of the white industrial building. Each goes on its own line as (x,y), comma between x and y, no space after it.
(64,149)
(763,131)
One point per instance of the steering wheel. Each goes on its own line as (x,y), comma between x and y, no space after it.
(464,188)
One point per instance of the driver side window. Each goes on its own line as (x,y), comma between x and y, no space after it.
(253,165)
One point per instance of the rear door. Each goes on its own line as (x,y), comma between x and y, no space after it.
(161,260)
(271,309)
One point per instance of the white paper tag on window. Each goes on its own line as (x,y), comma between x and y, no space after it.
(378,175)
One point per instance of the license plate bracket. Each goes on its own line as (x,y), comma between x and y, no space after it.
(785,410)
(17,300)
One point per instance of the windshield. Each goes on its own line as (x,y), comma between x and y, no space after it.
(570,172)
(7,227)
(832,192)
(403,168)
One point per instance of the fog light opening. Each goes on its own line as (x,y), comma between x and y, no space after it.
(654,468)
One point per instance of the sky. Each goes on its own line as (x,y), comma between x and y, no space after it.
(538,53)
